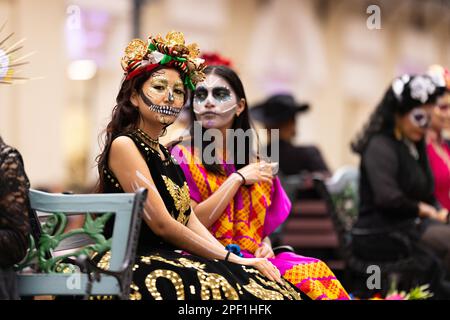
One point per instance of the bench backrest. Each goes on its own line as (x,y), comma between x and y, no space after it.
(55,275)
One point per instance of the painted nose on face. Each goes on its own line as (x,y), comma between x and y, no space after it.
(209,104)
(170,97)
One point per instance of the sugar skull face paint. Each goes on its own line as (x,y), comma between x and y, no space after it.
(214,102)
(164,94)
(420,117)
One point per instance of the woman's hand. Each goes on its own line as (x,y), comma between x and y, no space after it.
(265,251)
(427,211)
(258,172)
(442,216)
(264,266)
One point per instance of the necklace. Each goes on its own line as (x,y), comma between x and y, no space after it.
(440,151)
(412,148)
(153,142)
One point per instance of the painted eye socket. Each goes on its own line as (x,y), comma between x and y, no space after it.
(200,94)
(179,91)
(158,87)
(420,118)
(221,94)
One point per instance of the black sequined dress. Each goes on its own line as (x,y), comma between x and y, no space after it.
(163,272)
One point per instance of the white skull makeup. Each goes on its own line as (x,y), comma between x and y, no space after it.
(215,102)
(420,118)
(163,95)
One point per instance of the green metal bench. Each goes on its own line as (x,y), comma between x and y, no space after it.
(60,263)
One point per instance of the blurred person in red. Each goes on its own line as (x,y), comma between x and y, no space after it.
(438,148)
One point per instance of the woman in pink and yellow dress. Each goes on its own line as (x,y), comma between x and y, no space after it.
(237,197)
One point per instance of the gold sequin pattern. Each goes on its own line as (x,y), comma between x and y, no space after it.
(192,264)
(212,286)
(250,270)
(192,289)
(181,198)
(239,288)
(150,283)
(112,179)
(262,293)
(148,259)
(104,261)
(134,293)
(286,290)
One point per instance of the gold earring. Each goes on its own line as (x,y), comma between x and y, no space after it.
(398,133)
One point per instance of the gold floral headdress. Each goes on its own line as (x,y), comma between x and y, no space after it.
(170,51)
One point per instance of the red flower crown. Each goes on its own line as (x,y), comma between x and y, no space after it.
(215,59)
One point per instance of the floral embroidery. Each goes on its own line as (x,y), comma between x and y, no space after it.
(181,198)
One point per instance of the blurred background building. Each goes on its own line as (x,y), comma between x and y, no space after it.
(329,53)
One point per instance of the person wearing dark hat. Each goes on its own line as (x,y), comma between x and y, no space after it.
(397,204)
(278,112)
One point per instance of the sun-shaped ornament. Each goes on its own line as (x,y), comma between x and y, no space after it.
(11,58)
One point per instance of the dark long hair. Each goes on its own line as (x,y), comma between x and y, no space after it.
(125,118)
(240,122)
(382,120)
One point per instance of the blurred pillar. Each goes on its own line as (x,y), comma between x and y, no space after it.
(40,103)
(137,7)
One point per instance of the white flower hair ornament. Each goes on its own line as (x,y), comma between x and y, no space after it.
(398,86)
(421,87)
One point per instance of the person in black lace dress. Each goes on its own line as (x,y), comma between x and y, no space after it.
(177,258)
(14,225)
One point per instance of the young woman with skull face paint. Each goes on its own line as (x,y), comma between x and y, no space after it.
(158,75)
(397,205)
(242,203)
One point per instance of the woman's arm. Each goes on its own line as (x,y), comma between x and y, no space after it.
(196,226)
(132,172)
(209,210)
(129,167)
(265,251)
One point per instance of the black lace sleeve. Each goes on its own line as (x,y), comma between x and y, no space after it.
(14,206)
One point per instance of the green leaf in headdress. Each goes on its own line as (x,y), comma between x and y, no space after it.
(188,83)
(165,59)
